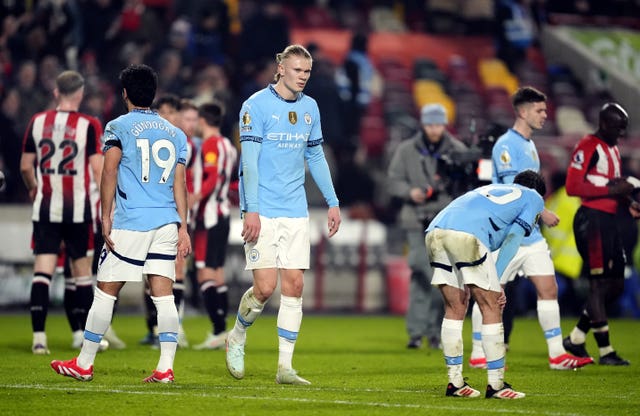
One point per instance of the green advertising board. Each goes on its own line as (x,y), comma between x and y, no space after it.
(618,48)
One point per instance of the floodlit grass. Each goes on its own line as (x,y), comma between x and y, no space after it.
(358,366)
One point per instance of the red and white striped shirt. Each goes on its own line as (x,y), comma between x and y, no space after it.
(212,173)
(593,164)
(63,142)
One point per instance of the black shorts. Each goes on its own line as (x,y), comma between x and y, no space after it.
(599,242)
(77,238)
(211,244)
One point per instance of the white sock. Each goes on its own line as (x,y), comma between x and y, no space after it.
(452,347)
(98,320)
(248,311)
(577,336)
(476,325)
(289,321)
(549,318)
(493,345)
(168,324)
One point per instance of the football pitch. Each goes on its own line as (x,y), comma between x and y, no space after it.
(358,365)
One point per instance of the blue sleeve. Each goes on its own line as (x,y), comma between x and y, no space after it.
(321,175)
(509,248)
(250,153)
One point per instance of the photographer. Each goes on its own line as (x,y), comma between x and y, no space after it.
(420,174)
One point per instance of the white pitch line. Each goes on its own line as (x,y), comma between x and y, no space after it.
(458,407)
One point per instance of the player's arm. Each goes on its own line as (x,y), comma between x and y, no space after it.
(320,173)
(251,218)
(509,247)
(108,184)
(578,184)
(96,159)
(506,170)
(27,163)
(180,196)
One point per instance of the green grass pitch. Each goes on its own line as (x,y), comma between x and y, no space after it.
(358,365)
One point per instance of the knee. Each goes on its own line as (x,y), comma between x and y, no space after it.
(263,290)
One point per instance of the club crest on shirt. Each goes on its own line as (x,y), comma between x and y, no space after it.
(246,121)
(293,117)
(578,160)
(307,118)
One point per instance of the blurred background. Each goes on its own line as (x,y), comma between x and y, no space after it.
(376,63)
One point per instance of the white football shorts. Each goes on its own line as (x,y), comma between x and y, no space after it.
(138,253)
(283,243)
(531,260)
(460,259)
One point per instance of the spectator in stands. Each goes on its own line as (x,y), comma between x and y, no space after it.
(10,147)
(264,34)
(358,82)
(514,31)
(416,177)
(594,175)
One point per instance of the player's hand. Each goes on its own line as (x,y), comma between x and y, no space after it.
(634,209)
(334,220)
(502,299)
(106,231)
(619,187)
(184,242)
(250,227)
(549,218)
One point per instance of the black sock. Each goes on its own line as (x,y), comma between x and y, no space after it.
(178,294)
(84,299)
(222,299)
(39,303)
(151,313)
(584,323)
(601,335)
(69,303)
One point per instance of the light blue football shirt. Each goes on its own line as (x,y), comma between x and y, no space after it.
(151,149)
(285,134)
(513,153)
(488,212)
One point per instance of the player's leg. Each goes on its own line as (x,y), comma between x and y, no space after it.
(98,320)
(69,301)
(168,326)
(150,317)
(455,297)
(178,298)
(160,268)
(456,302)
(293,257)
(289,321)
(477,358)
(46,244)
(210,254)
(260,258)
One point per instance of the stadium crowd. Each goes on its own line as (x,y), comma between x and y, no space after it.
(224,50)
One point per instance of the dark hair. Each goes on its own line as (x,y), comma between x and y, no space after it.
(69,82)
(141,82)
(188,104)
(532,180)
(212,113)
(527,95)
(171,100)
